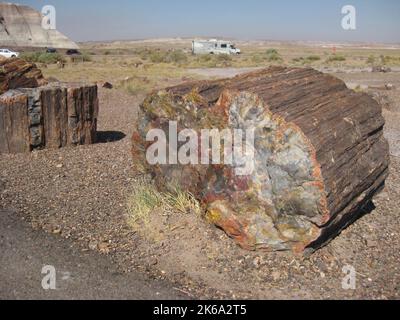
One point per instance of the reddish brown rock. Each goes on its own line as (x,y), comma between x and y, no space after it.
(320,154)
(17,73)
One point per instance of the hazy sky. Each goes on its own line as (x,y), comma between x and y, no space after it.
(82,20)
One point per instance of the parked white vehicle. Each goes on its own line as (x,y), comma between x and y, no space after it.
(8,53)
(214,47)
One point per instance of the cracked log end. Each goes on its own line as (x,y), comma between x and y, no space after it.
(319,154)
(282,201)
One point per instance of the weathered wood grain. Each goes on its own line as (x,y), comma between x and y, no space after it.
(17,73)
(51,116)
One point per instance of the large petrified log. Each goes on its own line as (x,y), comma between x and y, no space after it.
(319,154)
(51,116)
(17,73)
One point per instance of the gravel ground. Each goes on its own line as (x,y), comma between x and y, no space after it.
(79,274)
(80,193)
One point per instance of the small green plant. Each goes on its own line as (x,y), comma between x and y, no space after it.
(86,57)
(371,59)
(273,55)
(336,58)
(389,60)
(313,58)
(257,59)
(176,57)
(213,61)
(272,51)
(42,57)
(158,56)
(307,60)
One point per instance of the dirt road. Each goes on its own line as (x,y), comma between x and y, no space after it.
(79,275)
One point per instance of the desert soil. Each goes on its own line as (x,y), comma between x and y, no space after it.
(78,275)
(80,194)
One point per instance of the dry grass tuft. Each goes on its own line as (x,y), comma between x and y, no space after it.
(146,200)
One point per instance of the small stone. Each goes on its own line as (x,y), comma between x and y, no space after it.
(59,166)
(106,85)
(104,247)
(92,245)
(257,262)
(372,243)
(57,231)
(276,275)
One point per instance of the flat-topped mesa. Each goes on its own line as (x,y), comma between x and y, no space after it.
(51,116)
(319,154)
(22,26)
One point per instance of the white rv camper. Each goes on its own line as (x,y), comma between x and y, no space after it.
(214,47)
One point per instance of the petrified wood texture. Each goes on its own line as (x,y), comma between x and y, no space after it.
(17,73)
(52,116)
(320,154)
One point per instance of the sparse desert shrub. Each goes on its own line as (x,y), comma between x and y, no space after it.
(86,57)
(42,57)
(145,199)
(257,58)
(389,60)
(158,56)
(214,61)
(272,55)
(313,58)
(336,58)
(307,60)
(143,53)
(176,57)
(204,58)
(135,89)
(271,51)
(135,85)
(223,58)
(371,59)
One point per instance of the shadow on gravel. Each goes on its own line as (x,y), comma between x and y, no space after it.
(368,208)
(109,136)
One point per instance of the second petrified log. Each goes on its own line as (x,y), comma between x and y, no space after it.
(51,116)
(17,73)
(319,154)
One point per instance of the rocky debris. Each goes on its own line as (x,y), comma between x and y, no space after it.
(387,86)
(390,86)
(319,154)
(106,85)
(17,73)
(51,116)
(382,69)
(21,26)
